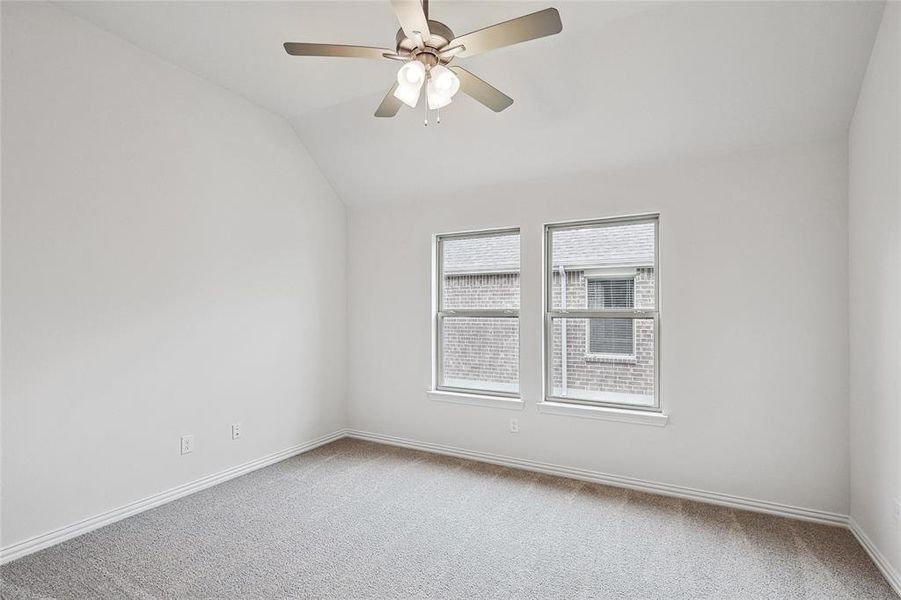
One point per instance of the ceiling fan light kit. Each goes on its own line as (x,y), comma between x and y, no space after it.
(426,47)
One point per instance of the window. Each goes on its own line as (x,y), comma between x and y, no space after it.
(601,313)
(477,313)
(611,336)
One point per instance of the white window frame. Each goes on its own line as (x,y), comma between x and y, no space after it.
(584,313)
(439,313)
(609,357)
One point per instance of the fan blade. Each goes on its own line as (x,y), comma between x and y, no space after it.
(400,57)
(412,18)
(390,105)
(449,51)
(335,50)
(482,91)
(522,29)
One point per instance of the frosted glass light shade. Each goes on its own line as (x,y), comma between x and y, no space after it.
(409,82)
(408,94)
(412,73)
(442,86)
(445,81)
(436,99)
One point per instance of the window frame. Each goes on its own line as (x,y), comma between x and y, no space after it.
(439,314)
(550,314)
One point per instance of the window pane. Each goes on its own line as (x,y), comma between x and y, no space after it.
(592,373)
(611,293)
(480,272)
(610,336)
(599,263)
(480,353)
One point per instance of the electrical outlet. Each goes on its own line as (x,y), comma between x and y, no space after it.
(236,431)
(897,512)
(514,425)
(187,444)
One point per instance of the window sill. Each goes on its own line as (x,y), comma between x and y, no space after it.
(476,399)
(622,359)
(622,415)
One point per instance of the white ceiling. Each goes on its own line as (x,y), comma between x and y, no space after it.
(624,83)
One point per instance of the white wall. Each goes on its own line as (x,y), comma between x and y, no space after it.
(754,340)
(173,262)
(875,283)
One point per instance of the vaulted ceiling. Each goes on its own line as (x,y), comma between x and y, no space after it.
(624,83)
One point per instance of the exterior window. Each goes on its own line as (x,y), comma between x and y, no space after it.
(611,336)
(601,316)
(477,313)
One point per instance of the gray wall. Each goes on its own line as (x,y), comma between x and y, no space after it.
(875,284)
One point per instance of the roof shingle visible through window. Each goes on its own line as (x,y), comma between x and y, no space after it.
(631,244)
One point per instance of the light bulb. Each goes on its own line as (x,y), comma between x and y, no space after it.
(412,73)
(446,81)
(408,94)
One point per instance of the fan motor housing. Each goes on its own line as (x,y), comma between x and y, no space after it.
(441,35)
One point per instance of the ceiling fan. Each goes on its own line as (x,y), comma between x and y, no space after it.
(426,47)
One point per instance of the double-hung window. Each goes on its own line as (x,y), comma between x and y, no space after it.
(476,316)
(601,312)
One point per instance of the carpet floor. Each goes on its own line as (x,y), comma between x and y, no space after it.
(360,520)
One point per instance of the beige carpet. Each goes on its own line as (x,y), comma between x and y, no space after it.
(361,520)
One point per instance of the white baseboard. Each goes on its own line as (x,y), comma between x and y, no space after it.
(891,575)
(665,489)
(39,542)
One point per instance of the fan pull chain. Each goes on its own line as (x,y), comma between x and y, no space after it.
(438,114)
(425,121)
